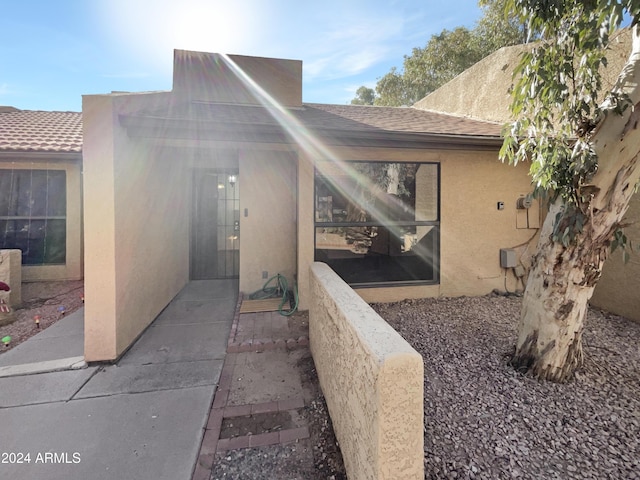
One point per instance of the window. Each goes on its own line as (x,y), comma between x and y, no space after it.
(378,223)
(33,205)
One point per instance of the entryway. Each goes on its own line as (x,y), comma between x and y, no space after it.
(215,225)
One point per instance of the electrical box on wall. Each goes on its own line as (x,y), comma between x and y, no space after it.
(527,212)
(524,202)
(507,258)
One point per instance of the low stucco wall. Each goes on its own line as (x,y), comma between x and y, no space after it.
(11,274)
(372,380)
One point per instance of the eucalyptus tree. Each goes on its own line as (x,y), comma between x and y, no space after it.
(364,96)
(583,145)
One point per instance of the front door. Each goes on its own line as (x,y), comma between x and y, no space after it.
(215,225)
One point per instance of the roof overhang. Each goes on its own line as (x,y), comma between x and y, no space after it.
(150,127)
(38,155)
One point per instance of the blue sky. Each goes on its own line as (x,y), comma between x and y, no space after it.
(54,51)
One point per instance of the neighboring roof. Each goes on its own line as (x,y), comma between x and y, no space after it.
(40,131)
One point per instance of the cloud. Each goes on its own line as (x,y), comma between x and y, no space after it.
(343,64)
(353,45)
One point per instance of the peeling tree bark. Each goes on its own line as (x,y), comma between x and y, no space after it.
(562,279)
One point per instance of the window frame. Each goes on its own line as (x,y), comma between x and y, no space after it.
(401,223)
(42,218)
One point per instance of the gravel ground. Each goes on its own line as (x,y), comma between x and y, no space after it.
(484,420)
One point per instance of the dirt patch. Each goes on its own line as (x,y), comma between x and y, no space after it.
(260,423)
(326,452)
(267,376)
(48,300)
(298,324)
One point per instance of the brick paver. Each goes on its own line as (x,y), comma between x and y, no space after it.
(250,332)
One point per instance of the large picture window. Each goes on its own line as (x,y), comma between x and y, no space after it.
(33,205)
(378,223)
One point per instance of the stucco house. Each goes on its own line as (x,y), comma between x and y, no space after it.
(482,92)
(231,175)
(40,191)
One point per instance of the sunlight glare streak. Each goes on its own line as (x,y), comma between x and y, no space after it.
(313,147)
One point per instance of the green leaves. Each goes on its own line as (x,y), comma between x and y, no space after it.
(556,98)
(443,57)
(568,224)
(557,103)
(364,96)
(621,241)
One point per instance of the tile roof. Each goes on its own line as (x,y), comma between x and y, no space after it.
(40,131)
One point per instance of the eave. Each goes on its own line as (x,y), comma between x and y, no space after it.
(188,129)
(39,155)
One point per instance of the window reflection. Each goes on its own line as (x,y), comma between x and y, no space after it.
(378,222)
(33,214)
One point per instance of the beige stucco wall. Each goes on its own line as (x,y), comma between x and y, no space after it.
(136,227)
(133,285)
(137,214)
(268,231)
(11,274)
(72,269)
(619,287)
(482,91)
(472,229)
(372,380)
(213,77)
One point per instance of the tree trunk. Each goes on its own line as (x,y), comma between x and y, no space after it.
(560,284)
(563,278)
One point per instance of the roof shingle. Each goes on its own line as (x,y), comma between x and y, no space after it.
(397,119)
(343,118)
(40,131)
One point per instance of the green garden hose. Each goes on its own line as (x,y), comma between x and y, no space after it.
(281,288)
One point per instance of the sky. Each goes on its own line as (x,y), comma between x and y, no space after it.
(54,51)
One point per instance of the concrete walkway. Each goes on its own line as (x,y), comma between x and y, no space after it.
(141,418)
(59,347)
